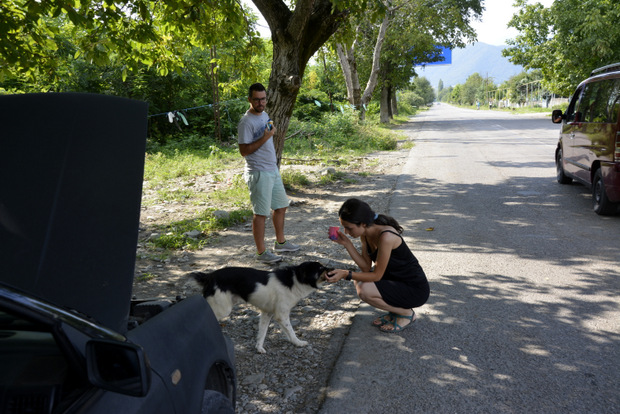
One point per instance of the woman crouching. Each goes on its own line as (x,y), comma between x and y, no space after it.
(397,284)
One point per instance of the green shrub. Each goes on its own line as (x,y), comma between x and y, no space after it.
(563,106)
(411,98)
(404,108)
(307,111)
(337,133)
(373,108)
(294,179)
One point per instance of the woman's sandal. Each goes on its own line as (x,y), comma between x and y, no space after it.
(383,319)
(396,326)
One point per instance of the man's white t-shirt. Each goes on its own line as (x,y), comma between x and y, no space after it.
(251,128)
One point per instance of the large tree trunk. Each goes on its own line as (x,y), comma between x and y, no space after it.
(330,93)
(216,94)
(374,73)
(394,103)
(384,110)
(346,56)
(296,36)
(349,70)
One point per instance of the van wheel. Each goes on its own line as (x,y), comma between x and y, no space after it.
(220,390)
(216,402)
(602,205)
(561,177)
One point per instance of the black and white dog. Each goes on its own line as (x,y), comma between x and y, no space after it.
(274,293)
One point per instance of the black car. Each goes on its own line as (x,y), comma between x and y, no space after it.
(71,339)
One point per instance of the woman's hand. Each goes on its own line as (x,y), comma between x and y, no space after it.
(342,239)
(336,274)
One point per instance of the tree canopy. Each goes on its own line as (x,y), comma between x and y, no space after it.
(565,41)
(394,38)
(154,33)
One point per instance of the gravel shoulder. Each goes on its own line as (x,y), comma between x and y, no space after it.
(286,379)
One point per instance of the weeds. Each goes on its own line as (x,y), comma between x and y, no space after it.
(233,193)
(145,277)
(294,179)
(338,134)
(192,234)
(331,178)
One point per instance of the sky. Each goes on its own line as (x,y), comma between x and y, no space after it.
(492,29)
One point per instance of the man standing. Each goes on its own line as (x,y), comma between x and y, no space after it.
(262,175)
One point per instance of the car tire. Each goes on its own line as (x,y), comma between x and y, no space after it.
(220,389)
(216,402)
(561,176)
(602,205)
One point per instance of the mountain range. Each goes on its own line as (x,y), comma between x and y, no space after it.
(481,58)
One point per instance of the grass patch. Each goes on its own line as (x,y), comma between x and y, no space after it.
(192,234)
(515,110)
(174,194)
(294,179)
(234,193)
(331,178)
(145,277)
(167,164)
(158,257)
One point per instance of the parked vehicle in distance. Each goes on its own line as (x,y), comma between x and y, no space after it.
(588,150)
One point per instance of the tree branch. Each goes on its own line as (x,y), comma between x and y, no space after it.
(374,73)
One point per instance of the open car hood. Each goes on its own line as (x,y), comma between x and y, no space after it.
(71,170)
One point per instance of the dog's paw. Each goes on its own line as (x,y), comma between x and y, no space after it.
(261,350)
(301,343)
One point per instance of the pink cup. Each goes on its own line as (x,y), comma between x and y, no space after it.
(333,232)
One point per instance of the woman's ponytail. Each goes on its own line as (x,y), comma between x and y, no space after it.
(384,220)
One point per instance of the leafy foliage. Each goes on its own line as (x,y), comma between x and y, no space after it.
(418,31)
(567,40)
(335,132)
(411,98)
(134,32)
(473,90)
(423,88)
(517,90)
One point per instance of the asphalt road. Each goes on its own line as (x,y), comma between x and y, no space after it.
(524,314)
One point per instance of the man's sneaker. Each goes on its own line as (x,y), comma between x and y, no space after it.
(287,246)
(268,257)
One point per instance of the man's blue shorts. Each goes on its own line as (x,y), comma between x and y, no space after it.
(266,191)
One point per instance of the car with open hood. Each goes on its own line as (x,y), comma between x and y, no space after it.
(71,338)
